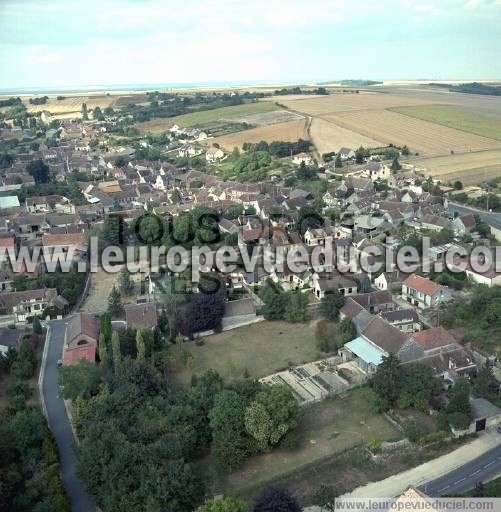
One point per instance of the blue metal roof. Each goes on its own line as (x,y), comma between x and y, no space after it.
(365,350)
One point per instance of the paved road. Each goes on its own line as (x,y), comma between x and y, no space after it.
(494,219)
(59,422)
(482,469)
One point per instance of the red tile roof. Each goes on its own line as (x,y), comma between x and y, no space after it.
(73,355)
(63,239)
(422,284)
(434,338)
(138,315)
(7,241)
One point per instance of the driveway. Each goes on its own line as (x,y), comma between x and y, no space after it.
(59,422)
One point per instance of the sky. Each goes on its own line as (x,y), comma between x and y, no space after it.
(58,43)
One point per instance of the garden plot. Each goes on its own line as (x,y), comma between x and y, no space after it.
(264,118)
(313,382)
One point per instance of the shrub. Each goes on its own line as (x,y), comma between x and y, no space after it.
(458,420)
(414,431)
(374,446)
(291,441)
(381,405)
(442,422)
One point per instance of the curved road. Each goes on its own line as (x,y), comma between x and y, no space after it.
(482,469)
(59,422)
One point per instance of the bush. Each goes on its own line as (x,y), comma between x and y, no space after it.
(381,405)
(374,446)
(291,441)
(442,422)
(414,431)
(458,420)
(18,388)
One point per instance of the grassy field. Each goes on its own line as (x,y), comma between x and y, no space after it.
(346,470)
(448,115)
(256,350)
(328,428)
(206,116)
(290,132)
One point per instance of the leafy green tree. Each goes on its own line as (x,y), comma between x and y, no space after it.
(30,429)
(387,380)
(26,362)
(331,304)
(115,306)
(85,113)
(347,330)
(259,425)
(485,383)
(163,322)
(39,170)
(103,350)
(459,399)
(223,505)
(230,442)
(112,231)
(140,344)
(80,380)
(274,299)
(125,283)
(98,114)
(296,307)
(115,347)
(419,384)
(175,196)
(37,326)
(359,155)
(272,414)
(395,165)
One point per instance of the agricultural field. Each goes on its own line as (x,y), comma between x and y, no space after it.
(420,136)
(321,106)
(479,104)
(70,104)
(328,137)
(289,132)
(256,350)
(206,116)
(470,168)
(328,428)
(263,118)
(452,117)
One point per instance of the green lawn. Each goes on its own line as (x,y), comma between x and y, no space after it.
(328,428)
(255,350)
(450,116)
